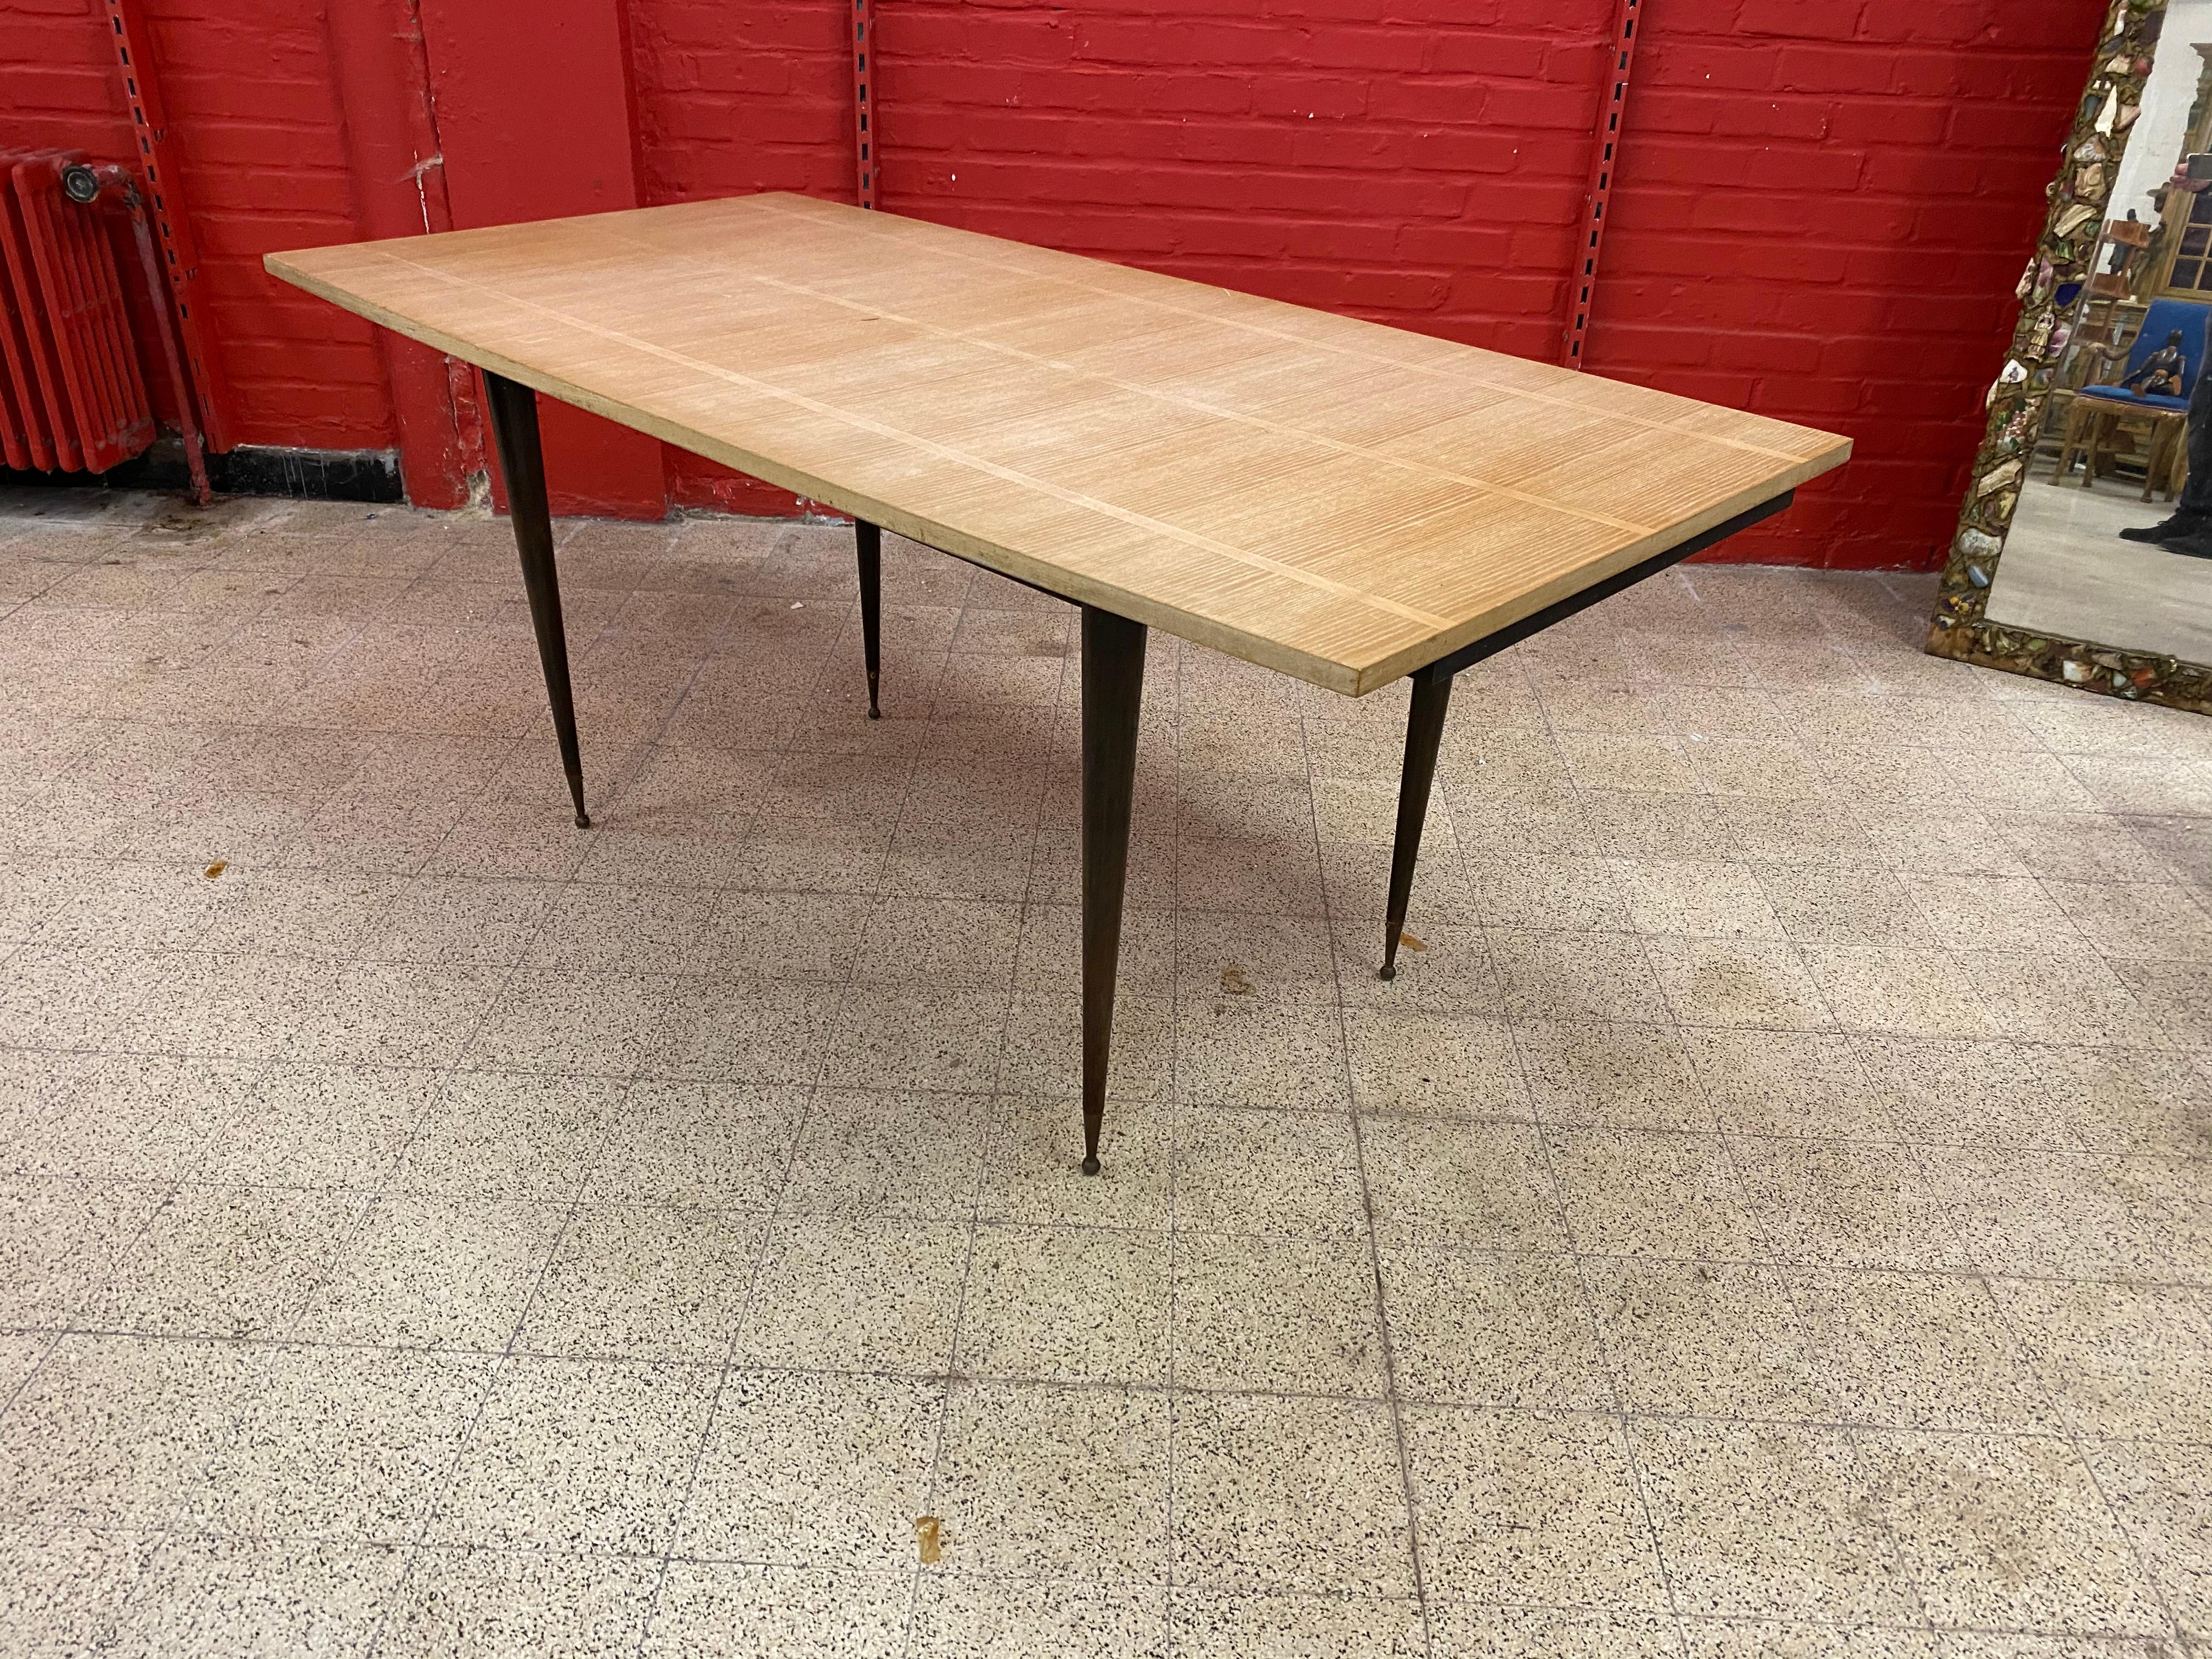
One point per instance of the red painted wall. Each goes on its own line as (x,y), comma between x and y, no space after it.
(545,132)
(1820,213)
(1820,208)
(254,111)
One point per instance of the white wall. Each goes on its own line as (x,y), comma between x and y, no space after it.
(2163,125)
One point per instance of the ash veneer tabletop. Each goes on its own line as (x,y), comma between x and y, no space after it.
(1345,502)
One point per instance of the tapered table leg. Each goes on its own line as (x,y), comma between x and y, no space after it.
(522,464)
(870,540)
(1112,691)
(1424,729)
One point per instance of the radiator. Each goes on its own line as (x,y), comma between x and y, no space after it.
(72,395)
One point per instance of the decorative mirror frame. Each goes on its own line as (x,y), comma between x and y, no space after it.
(2071,235)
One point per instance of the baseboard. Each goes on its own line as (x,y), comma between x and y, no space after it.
(316,475)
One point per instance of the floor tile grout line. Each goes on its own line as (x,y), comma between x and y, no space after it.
(495,1373)
(676,1514)
(1408,1492)
(680,1513)
(1622,1423)
(2067,1429)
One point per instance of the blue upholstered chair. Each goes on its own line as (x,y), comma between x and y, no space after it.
(2101,413)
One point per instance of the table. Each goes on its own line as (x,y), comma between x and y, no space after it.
(1342,502)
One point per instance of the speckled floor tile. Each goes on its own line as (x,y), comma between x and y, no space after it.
(122,1431)
(1037,1141)
(1899,991)
(1043,1052)
(509,1135)
(1253,1172)
(2122,1361)
(1451,971)
(63,1590)
(1248,1625)
(250,1596)
(133,1117)
(915,1036)
(718,1610)
(1577,976)
(1067,1484)
(868,1153)
(2008,1532)
(1917,1350)
(426,1270)
(1238,1050)
(375,1014)
(1785,1639)
(2078,1215)
(714,1145)
(1611,1073)
(1467,1630)
(322,1126)
(856,1295)
(1727,887)
(1767,1519)
(227,1262)
(1745,981)
(1482,1328)
(578,1454)
(650,1282)
(2163,1498)
(1787,1083)
(1066,1305)
(814,1470)
(1711,1339)
(1633,1192)
(1844,1203)
(459,1600)
(1277,1312)
(1449,1063)
(346,1444)
(1484,1184)
(1527,1507)
(488,923)
(966,1614)
(1269,958)
(1288,1494)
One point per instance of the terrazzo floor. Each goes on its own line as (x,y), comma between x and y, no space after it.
(1772,1215)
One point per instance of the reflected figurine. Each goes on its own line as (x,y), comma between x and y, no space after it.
(2189,531)
(2160,375)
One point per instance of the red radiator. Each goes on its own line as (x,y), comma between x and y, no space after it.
(71,393)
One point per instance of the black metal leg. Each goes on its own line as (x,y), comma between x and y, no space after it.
(1112,691)
(870,540)
(522,464)
(1424,729)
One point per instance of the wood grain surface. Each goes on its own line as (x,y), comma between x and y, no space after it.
(1337,499)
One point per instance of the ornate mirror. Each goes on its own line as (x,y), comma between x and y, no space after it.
(2084,548)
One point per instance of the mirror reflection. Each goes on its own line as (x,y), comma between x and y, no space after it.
(2111,542)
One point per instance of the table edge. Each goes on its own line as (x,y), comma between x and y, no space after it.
(1352,680)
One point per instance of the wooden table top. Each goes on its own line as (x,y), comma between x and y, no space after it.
(1343,502)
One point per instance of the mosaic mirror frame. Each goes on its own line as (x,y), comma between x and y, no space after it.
(2071,232)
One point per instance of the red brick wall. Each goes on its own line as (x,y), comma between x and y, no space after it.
(1820,210)
(253,109)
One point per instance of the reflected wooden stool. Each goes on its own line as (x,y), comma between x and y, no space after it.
(2093,425)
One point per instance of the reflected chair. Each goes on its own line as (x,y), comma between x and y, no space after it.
(2156,426)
